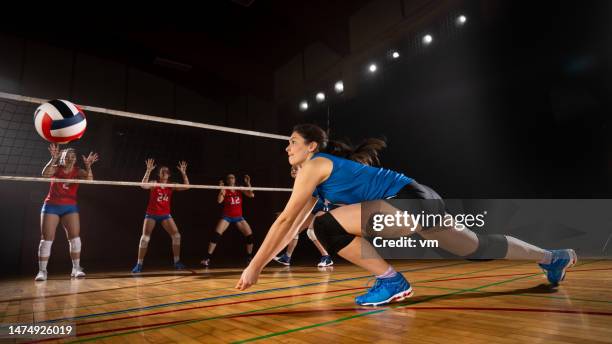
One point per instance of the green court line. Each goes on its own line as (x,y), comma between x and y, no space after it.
(187,322)
(280,333)
(275,307)
(264,291)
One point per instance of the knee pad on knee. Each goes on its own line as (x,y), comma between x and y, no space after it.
(144,241)
(311,234)
(490,246)
(215,238)
(331,234)
(75,245)
(176,239)
(44,248)
(248,239)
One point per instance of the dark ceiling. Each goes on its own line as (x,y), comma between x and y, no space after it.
(223,48)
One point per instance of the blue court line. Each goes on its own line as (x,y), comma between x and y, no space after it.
(87,316)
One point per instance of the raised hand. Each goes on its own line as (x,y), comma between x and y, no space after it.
(54,150)
(90,159)
(150,164)
(182,166)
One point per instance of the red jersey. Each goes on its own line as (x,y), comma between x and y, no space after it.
(159,201)
(63,193)
(232,204)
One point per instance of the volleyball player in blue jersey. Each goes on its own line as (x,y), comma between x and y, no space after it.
(329,169)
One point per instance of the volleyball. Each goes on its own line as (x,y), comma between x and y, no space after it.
(59,121)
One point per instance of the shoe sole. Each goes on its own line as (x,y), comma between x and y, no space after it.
(395,298)
(325,265)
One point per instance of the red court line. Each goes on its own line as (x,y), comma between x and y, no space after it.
(323,310)
(347,309)
(216,305)
(101,290)
(293,295)
(503,275)
(184,320)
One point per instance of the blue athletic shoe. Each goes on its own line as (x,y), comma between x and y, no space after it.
(137,269)
(386,290)
(179,266)
(325,261)
(283,259)
(561,260)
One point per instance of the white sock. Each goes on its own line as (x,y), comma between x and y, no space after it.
(520,250)
(390,273)
(140,261)
(42,265)
(76,263)
(176,259)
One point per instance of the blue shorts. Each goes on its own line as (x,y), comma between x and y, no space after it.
(59,210)
(233,219)
(158,218)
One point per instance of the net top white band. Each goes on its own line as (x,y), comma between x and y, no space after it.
(119,183)
(150,118)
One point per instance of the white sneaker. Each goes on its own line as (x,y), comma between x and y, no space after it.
(77,272)
(41,276)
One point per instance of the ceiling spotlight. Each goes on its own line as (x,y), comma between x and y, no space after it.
(427,39)
(461,20)
(372,68)
(395,55)
(320,97)
(339,86)
(303,105)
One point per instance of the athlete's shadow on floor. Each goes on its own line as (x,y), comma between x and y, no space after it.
(476,294)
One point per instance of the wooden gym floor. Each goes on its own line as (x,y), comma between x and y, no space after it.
(454,302)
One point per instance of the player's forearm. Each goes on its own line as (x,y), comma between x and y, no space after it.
(50,168)
(88,173)
(145,179)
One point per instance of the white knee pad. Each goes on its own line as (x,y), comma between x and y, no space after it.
(144,241)
(75,245)
(176,239)
(44,248)
(311,234)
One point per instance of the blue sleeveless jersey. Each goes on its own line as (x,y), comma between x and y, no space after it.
(351,182)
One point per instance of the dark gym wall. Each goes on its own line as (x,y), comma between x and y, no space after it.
(111,217)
